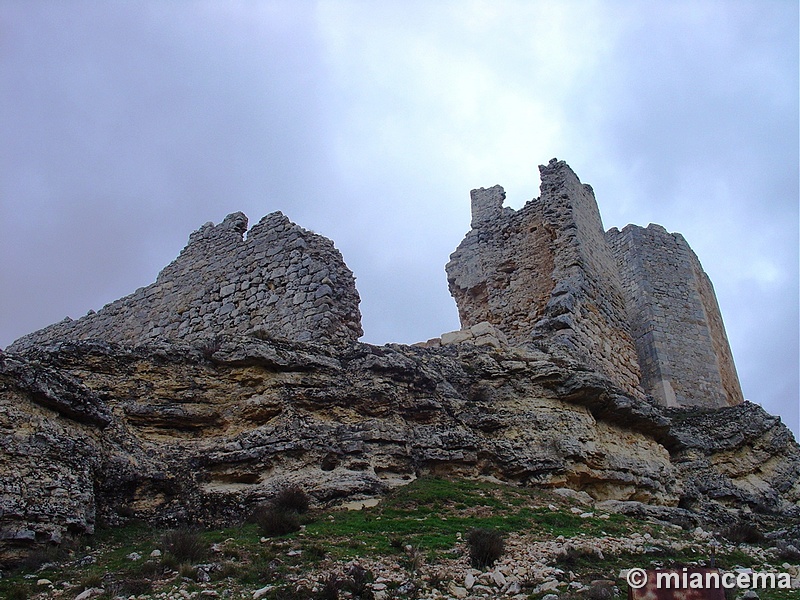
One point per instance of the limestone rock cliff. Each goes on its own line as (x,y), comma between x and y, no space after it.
(95,432)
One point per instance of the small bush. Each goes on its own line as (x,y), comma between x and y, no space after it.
(187,571)
(357,582)
(743,533)
(136,586)
(315,552)
(485,547)
(291,499)
(91,581)
(273,522)
(184,545)
(330,587)
(169,562)
(18,591)
(149,569)
(413,560)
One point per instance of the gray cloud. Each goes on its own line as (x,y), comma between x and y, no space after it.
(128,125)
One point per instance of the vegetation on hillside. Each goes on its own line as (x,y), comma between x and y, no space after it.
(420,540)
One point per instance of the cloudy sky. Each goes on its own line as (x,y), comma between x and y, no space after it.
(127,125)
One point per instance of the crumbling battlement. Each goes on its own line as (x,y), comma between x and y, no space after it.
(280,281)
(636,304)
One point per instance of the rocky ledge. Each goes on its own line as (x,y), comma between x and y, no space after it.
(92,433)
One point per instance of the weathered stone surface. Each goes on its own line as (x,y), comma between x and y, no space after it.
(675,320)
(238,372)
(634,305)
(193,436)
(545,274)
(271,283)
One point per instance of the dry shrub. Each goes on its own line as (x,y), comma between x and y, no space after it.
(18,591)
(485,547)
(291,499)
(330,587)
(273,522)
(184,545)
(358,582)
(743,533)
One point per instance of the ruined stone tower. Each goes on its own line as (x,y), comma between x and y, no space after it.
(635,305)
(674,318)
(280,281)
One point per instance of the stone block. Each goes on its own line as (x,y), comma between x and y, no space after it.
(455,337)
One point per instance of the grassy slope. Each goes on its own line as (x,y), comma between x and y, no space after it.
(414,536)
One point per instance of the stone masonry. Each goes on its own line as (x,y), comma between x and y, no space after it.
(280,281)
(544,275)
(675,319)
(635,305)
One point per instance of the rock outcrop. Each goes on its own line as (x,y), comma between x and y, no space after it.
(280,281)
(100,433)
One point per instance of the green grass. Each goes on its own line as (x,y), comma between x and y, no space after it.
(431,515)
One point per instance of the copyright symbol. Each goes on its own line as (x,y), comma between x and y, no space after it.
(637,578)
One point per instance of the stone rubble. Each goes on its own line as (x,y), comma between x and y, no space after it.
(528,566)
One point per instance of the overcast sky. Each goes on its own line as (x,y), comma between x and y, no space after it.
(127,125)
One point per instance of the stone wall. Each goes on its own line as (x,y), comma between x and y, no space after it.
(501,272)
(586,309)
(279,281)
(675,319)
(544,274)
(635,305)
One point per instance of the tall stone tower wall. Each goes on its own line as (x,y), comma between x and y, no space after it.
(280,281)
(586,309)
(676,322)
(635,305)
(498,259)
(543,274)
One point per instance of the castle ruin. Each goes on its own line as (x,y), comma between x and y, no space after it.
(280,281)
(634,304)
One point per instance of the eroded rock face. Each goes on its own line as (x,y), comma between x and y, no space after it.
(179,433)
(280,281)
